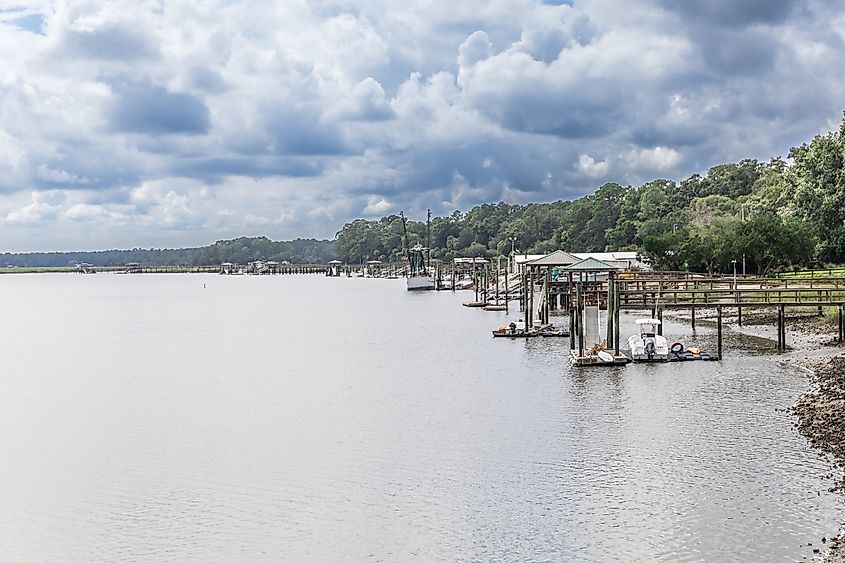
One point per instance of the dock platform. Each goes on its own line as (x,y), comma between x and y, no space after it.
(595,361)
(545,331)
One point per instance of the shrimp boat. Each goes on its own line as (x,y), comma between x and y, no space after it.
(648,346)
(419,257)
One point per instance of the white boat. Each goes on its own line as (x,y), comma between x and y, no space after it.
(648,346)
(463,284)
(420,282)
(419,259)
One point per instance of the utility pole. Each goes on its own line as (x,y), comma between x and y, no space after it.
(513,244)
(734,265)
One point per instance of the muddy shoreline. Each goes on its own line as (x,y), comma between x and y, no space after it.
(820,411)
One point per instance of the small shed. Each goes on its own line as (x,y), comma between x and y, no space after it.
(591,265)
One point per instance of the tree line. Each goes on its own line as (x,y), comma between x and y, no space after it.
(774,215)
(240,251)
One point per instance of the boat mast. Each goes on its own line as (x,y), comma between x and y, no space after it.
(428,241)
(405,244)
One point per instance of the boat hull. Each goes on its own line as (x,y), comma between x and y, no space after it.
(420,283)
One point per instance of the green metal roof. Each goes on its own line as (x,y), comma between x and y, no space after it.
(590,265)
(556,258)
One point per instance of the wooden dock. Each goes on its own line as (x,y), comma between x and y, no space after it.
(595,361)
(581,293)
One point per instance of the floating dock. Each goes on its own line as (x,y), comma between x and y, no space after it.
(530,334)
(687,356)
(584,361)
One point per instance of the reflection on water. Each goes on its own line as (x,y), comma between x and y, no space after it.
(149,418)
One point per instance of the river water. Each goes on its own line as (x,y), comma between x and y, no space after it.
(200,417)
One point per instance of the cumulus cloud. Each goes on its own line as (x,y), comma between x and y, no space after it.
(41,207)
(658,159)
(588,166)
(377,206)
(188,122)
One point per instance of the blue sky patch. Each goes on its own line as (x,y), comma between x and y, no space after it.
(33,23)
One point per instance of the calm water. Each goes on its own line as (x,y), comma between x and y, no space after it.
(147,418)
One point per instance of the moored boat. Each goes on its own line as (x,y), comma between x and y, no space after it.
(648,346)
(419,257)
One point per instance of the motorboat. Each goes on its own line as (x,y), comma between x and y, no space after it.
(514,329)
(464,284)
(419,282)
(648,346)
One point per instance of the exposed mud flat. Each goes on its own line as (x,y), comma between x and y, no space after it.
(821,419)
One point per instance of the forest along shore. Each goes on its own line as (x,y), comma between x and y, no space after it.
(821,409)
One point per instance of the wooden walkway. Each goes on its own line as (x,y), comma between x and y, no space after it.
(655,292)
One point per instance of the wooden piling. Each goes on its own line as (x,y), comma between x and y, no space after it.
(616,307)
(526,306)
(580,314)
(660,318)
(497,283)
(719,331)
(571,328)
(506,292)
(547,308)
(609,339)
(692,316)
(841,325)
(522,294)
(531,298)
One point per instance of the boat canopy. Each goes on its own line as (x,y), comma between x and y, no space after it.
(647,322)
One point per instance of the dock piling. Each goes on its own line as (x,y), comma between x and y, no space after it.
(719,331)
(616,306)
(579,296)
(609,339)
(507,309)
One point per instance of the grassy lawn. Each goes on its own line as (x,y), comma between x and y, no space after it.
(833,272)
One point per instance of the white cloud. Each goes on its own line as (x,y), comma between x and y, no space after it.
(42,206)
(377,206)
(83,212)
(587,165)
(58,176)
(659,159)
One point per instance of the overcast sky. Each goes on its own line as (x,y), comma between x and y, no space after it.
(177,123)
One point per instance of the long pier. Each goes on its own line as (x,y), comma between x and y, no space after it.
(539,294)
